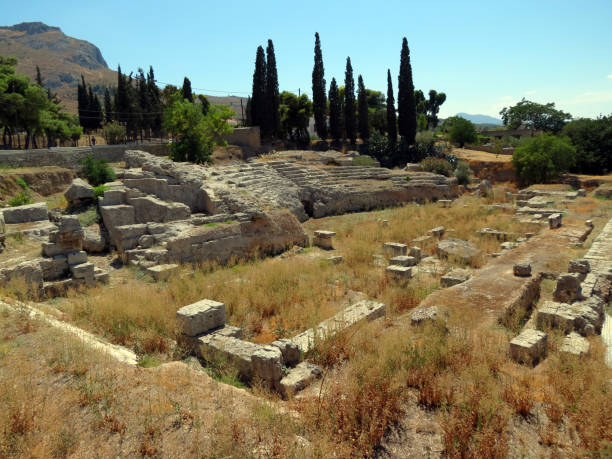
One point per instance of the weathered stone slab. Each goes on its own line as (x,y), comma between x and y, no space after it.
(420,315)
(323,239)
(438,231)
(404,260)
(556,315)
(299,378)
(162,272)
(581,266)
(79,192)
(336,259)
(393,249)
(415,252)
(82,271)
(457,248)
(522,269)
(289,350)
(28,213)
(363,310)
(201,317)
(77,257)
(455,277)
(575,344)
(554,221)
(446,203)
(529,347)
(568,287)
(399,273)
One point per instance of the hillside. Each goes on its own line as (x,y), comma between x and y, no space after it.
(481,119)
(62,59)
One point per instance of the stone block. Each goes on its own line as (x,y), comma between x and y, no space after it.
(438,231)
(299,378)
(83,271)
(77,257)
(336,259)
(508,245)
(51,249)
(529,347)
(399,273)
(581,266)
(101,276)
(421,315)
(267,366)
(575,344)
(415,252)
(323,239)
(445,202)
(200,317)
(589,223)
(522,269)
(554,221)
(289,350)
(420,241)
(394,249)
(24,214)
(118,215)
(54,268)
(455,277)
(94,241)
(403,260)
(162,272)
(556,315)
(113,197)
(79,192)
(457,248)
(568,287)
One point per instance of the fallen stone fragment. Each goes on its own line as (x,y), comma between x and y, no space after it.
(575,344)
(79,192)
(522,269)
(399,273)
(529,347)
(77,257)
(299,378)
(200,317)
(289,350)
(568,287)
(455,277)
(581,266)
(404,260)
(445,202)
(508,245)
(336,259)
(457,248)
(323,239)
(438,231)
(162,272)
(420,315)
(28,213)
(554,221)
(393,249)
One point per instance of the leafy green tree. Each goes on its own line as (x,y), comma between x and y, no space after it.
(391,115)
(97,171)
(335,123)
(436,99)
(406,105)
(196,133)
(363,112)
(420,103)
(460,130)
(114,133)
(295,116)
(535,116)
(186,90)
(258,97)
(543,158)
(319,98)
(593,141)
(108,107)
(273,124)
(350,118)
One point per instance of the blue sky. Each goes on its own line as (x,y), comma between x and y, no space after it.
(484,55)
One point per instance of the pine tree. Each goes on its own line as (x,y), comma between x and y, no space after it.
(186,90)
(108,107)
(272,96)
(258,98)
(362,107)
(391,115)
(335,124)
(350,119)
(406,105)
(319,99)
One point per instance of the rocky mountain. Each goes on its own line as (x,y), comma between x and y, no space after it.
(481,119)
(61,59)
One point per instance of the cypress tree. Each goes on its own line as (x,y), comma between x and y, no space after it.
(186,90)
(108,107)
(144,107)
(335,125)
(362,107)
(94,110)
(258,98)
(155,103)
(319,99)
(39,79)
(391,115)
(248,109)
(350,119)
(272,95)
(83,103)
(406,105)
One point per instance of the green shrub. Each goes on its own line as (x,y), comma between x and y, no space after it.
(97,171)
(462,172)
(381,148)
(22,183)
(460,130)
(363,161)
(437,166)
(114,133)
(21,199)
(543,158)
(99,190)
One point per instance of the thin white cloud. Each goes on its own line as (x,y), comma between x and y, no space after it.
(593,97)
(610,76)
(530,93)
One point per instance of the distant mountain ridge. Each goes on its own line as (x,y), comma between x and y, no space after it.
(481,119)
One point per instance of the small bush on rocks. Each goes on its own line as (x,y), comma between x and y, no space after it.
(97,171)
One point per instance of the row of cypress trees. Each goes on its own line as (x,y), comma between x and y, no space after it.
(264,104)
(342,120)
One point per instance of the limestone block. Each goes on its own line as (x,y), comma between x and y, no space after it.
(445,202)
(77,257)
(299,378)
(589,223)
(101,276)
(556,315)
(162,272)
(485,187)
(394,249)
(457,248)
(415,252)
(267,366)
(82,271)
(575,344)
(336,259)
(421,315)
(455,277)
(420,241)
(499,235)
(51,249)
(554,221)
(79,192)
(568,287)
(118,215)
(200,317)
(54,268)
(529,347)
(508,245)
(438,231)
(581,266)
(404,260)
(323,239)
(522,269)
(399,273)
(113,197)
(94,241)
(28,213)
(289,350)
(150,209)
